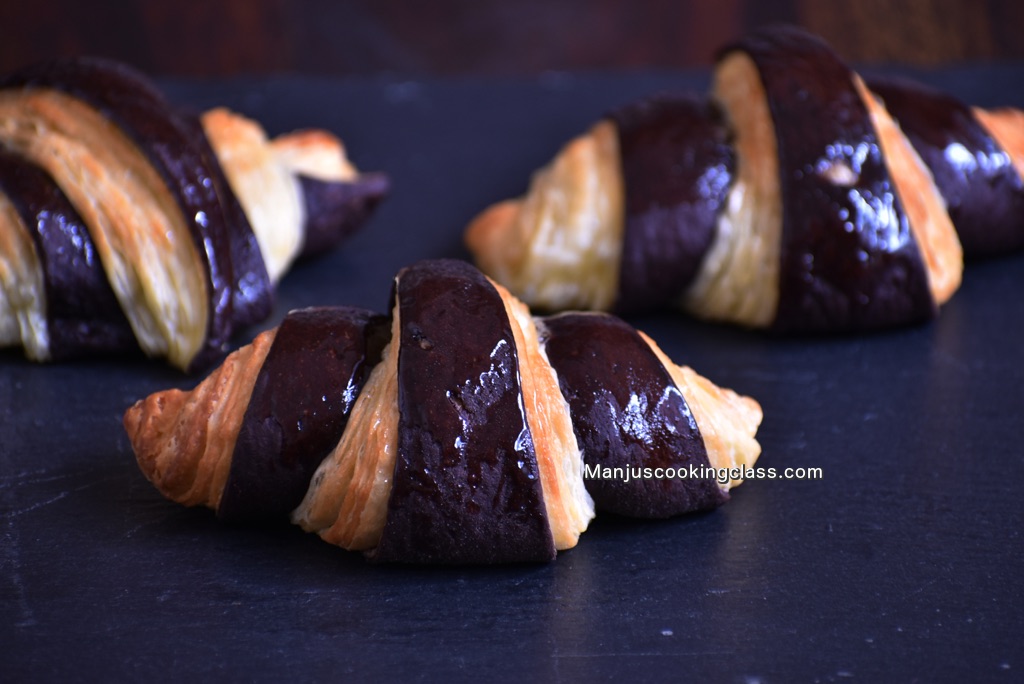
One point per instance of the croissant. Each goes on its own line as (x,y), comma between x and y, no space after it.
(127,224)
(458,429)
(790,199)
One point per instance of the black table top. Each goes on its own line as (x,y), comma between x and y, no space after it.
(904,562)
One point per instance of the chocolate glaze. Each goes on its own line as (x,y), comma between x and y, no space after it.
(848,258)
(82,313)
(252,296)
(983,191)
(466,486)
(300,405)
(628,413)
(677,166)
(129,100)
(335,210)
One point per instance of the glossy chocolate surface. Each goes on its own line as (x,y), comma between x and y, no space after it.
(628,414)
(467,483)
(848,258)
(300,405)
(82,314)
(975,175)
(903,563)
(677,166)
(335,210)
(127,98)
(252,296)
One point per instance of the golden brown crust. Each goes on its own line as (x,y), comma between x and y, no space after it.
(138,229)
(727,421)
(1007,127)
(560,245)
(568,505)
(22,294)
(739,277)
(922,202)
(315,153)
(265,187)
(347,500)
(184,441)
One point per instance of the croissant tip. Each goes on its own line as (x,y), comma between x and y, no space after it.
(135,421)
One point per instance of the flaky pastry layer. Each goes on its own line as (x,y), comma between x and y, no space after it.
(140,234)
(314,153)
(347,500)
(265,187)
(738,280)
(22,292)
(184,440)
(560,245)
(727,421)
(566,500)
(921,200)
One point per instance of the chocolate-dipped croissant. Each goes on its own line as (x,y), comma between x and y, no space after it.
(789,199)
(449,432)
(184,222)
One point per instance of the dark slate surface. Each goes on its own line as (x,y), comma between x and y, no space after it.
(903,563)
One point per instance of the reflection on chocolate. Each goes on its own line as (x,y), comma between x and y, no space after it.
(983,191)
(299,407)
(628,413)
(848,258)
(130,101)
(82,313)
(677,167)
(466,487)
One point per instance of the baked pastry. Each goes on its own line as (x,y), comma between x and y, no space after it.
(789,199)
(976,157)
(190,220)
(463,443)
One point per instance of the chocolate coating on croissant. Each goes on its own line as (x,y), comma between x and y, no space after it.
(466,486)
(628,413)
(984,192)
(848,258)
(677,167)
(336,209)
(299,407)
(127,99)
(83,315)
(252,293)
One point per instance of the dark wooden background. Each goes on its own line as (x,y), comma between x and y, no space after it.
(486,37)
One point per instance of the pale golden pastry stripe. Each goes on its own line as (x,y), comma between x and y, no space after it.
(559,246)
(314,153)
(569,507)
(22,292)
(738,279)
(347,500)
(140,234)
(921,200)
(267,190)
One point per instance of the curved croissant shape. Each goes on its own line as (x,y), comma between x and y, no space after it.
(185,222)
(790,199)
(449,432)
